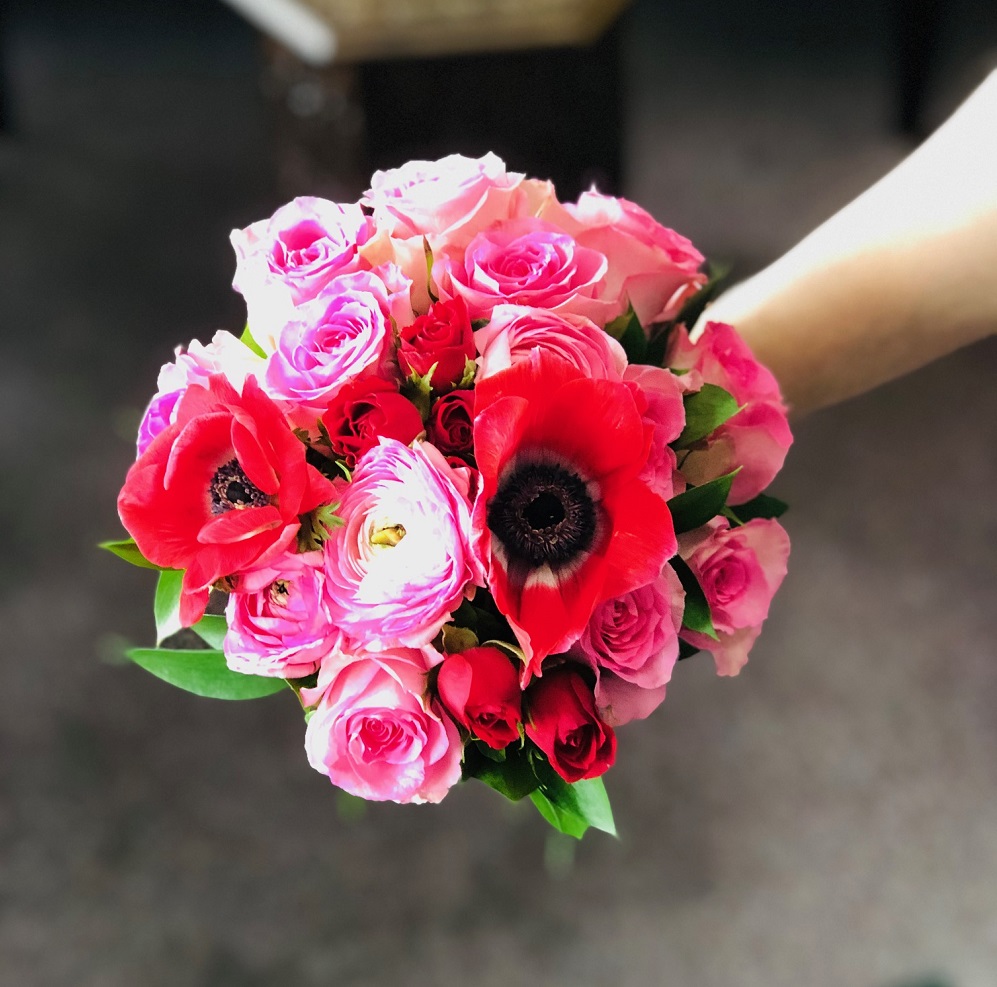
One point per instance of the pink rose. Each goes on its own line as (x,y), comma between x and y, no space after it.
(401,563)
(342,334)
(224,355)
(523,262)
(651,267)
(515,330)
(664,413)
(278,623)
(375,734)
(289,258)
(740,570)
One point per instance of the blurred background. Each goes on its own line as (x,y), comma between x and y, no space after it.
(827,818)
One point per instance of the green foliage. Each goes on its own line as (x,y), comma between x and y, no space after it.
(763,506)
(716,275)
(211,629)
(126,549)
(696,616)
(628,330)
(697,505)
(247,338)
(705,410)
(571,808)
(513,776)
(166,605)
(203,673)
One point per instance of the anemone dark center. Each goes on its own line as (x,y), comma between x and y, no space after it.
(232,490)
(543,515)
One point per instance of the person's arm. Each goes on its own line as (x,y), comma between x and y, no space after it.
(904,274)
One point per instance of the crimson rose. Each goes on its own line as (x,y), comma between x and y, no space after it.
(442,336)
(563,723)
(451,423)
(480,689)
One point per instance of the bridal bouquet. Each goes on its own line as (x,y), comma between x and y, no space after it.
(465,484)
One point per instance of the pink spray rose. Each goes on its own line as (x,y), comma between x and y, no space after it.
(515,330)
(758,437)
(224,355)
(632,642)
(664,413)
(374,733)
(278,621)
(523,262)
(740,570)
(401,563)
(289,258)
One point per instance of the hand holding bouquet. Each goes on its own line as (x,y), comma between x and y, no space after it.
(469,486)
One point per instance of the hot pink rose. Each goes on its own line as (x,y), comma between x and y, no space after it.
(523,262)
(740,570)
(664,412)
(515,330)
(651,267)
(374,733)
(289,258)
(401,563)
(278,622)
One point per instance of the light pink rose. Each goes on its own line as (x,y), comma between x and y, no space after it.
(651,267)
(374,733)
(524,262)
(664,413)
(740,570)
(278,621)
(516,330)
(401,563)
(342,334)
(224,355)
(289,258)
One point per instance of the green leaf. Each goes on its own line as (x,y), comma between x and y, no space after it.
(211,629)
(572,809)
(705,410)
(470,372)
(127,549)
(166,606)
(247,338)
(716,275)
(203,673)
(696,616)
(692,509)
(628,330)
(686,650)
(762,506)
(514,777)
(657,344)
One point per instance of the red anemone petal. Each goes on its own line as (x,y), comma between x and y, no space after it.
(497,433)
(253,459)
(239,525)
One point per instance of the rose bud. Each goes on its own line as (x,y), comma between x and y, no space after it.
(563,722)
(480,689)
(442,336)
(451,424)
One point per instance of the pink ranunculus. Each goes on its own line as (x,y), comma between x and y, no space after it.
(342,334)
(278,621)
(289,258)
(515,330)
(740,570)
(401,563)
(651,267)
(224,355)
(375,735)
(664,414)
(524,262)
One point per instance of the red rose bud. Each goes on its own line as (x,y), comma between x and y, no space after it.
(563,723)
(480,689)
(451,423)
(442,336)
(362,412)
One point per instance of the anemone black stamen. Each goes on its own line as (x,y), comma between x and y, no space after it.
(232,490)
(543,514)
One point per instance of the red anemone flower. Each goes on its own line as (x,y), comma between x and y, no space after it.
(219,490)
(563,521)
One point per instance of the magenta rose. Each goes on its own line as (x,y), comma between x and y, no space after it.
(740,570)
(515,330)
(480,689)
(362,412)
(401,563)
(374,734)
(289,258)
(663,412)
(524,262)
(278,623)
(342,334)
(441,341)
(451,424)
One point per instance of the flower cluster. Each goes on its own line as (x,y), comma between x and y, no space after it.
(470,487)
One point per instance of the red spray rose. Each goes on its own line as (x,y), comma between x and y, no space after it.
(451,423)
(480,689)
(562,721)
(219,490)
(364,410)
(442,336)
